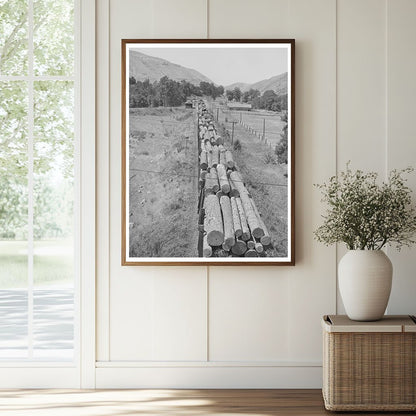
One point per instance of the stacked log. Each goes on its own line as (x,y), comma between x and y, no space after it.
(265,239)
(203,160)
(232,224)
(229,159)
(251,253)
(251,216)
(244,225)
(215,156)
(209,160)
(223,160)
(207,249)
(251,244)
(239,248)
(227,216)
(222,177)
(238,231)
(213,221)
(233,189)
(211,182)
(259,247)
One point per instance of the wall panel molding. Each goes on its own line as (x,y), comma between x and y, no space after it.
(210,377)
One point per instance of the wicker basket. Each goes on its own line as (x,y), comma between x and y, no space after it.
(369,366)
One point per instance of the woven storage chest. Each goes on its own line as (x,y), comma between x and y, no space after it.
(369,366)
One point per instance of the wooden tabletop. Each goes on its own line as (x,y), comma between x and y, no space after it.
(390,323)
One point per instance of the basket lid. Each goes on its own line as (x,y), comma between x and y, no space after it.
(390,323)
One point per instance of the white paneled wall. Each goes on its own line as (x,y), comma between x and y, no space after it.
(252,326)
(361,84)
(401,131)
(361,88)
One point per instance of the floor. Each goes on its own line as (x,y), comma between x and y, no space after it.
(164,402)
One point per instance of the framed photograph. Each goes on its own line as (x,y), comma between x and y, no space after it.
(208,157)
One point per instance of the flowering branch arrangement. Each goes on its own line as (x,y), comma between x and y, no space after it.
(366,215)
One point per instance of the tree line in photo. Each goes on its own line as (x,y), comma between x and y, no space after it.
(168,93)
(269,100)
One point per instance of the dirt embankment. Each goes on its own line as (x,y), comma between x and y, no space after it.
(163,183)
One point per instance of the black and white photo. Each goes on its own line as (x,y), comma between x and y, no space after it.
(208,152)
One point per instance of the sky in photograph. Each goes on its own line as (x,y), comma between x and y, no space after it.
(224,66)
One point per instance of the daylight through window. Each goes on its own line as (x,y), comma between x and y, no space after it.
(38,207)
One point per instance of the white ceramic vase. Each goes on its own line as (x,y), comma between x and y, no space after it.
(364,278)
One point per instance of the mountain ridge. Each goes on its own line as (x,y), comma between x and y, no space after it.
(277,83)
(142,67)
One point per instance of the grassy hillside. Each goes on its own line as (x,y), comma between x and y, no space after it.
(242,85)
(277,83)
(144,67)
(163,183)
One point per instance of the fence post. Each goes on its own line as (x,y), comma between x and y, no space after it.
(232,134)
(198,141)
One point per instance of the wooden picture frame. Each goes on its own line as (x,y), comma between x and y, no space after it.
(208,165)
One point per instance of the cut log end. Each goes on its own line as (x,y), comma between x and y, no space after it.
(207,249)
(257,232)
(215,238)
(251,244)
(266,240)
(259,248)
(221,253)
(239,248)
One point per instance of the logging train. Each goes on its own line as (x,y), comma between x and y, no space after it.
(229,222)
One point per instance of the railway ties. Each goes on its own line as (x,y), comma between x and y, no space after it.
(229,222)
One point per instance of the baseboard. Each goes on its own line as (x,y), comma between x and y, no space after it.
(209,377)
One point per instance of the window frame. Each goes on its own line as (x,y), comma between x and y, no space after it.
(80,372)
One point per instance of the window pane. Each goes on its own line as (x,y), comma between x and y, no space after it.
(13,219)
(53,197)
(13,323)
(13,176)
(13,37)
(53,37)
(53,319)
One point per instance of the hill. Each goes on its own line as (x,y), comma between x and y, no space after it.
(278,84)
(242,85)
(142,67)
